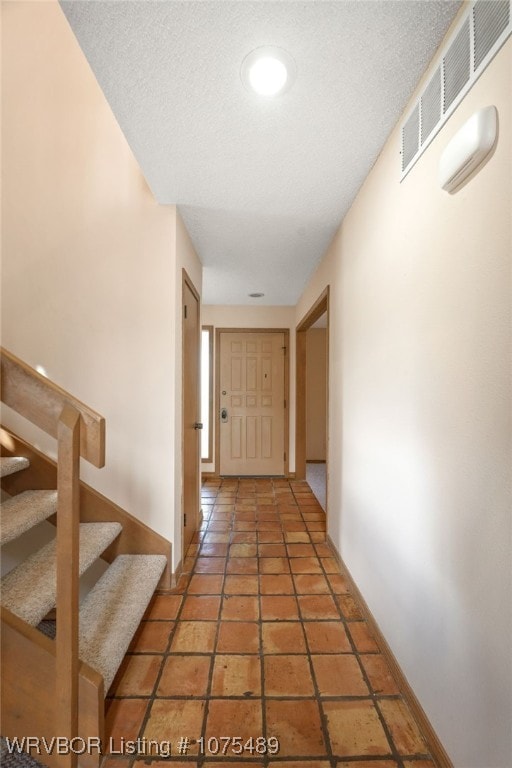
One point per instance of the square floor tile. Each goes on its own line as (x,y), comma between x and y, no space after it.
(301,550)
(339,675)
(274,565)
(354,728)
(215,537)
(242,638)
(404,731)
(240,608)
(184,676)
(283,637)
(137,675)
(270,537)
(305,565)
(339,583)
(349,607)
(300,764)
(272,550)
(152,636)
(123,720)
(310,583)
(164,607)
(371,764)
(210,565)
(228,717)
(243,550)
(242,565)
(241,585)
(214,550)
(287,676)
(244,537)
(297,537)
(278,607)
(201,607)
(324,550)
(170,719)
(327,637)
(317,607)
(379,674)
(297,725)
(206,584)
(362,637)
(194,637)
(329,565)
(236,676)
(276,584)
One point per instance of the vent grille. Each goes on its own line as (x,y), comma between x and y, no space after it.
(410,137)
(478,37)
(490,19)
(456,66)
(431,106)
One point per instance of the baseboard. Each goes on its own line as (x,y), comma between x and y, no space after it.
(316,461)
(206,476)
(434,745)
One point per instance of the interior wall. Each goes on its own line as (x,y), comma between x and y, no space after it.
(221,316)
(316,394)
(89,261)
(420,423)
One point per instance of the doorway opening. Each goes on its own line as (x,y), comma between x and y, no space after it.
(312,398)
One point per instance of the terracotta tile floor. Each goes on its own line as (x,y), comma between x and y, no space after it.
(261,638)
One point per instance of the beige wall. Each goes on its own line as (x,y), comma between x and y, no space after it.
(316,394)
(420,424)
(255,317)
(91,265)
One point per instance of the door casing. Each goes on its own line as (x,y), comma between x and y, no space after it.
(320,306)
(191,412)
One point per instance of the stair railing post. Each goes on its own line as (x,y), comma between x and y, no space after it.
(68,521)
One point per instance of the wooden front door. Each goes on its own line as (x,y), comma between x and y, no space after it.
(191,411)
(252,403)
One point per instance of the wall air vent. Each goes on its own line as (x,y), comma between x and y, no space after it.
(481,32)
(457,66)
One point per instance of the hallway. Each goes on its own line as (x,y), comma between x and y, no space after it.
(261,638)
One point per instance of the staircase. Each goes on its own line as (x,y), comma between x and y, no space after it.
(57,687)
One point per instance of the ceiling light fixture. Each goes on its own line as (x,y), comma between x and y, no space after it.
(268,71)
(256,295)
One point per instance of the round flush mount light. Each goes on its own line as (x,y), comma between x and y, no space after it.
(268,71)
(256,295)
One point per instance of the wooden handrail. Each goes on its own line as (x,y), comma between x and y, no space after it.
(41,401)
(80,431)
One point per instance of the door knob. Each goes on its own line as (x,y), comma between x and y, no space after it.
(224,414)
(198,425)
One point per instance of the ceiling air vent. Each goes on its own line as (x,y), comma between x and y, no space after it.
(475,41)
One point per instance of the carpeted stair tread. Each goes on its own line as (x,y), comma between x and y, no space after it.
(11,464)
(112,611)
(20,513)
(29,590)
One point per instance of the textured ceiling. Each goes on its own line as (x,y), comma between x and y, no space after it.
(262,184)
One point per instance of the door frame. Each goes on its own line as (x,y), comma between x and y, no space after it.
(186,280)
(320,307)
(286,425)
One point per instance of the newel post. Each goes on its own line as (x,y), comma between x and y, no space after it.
(68,521)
